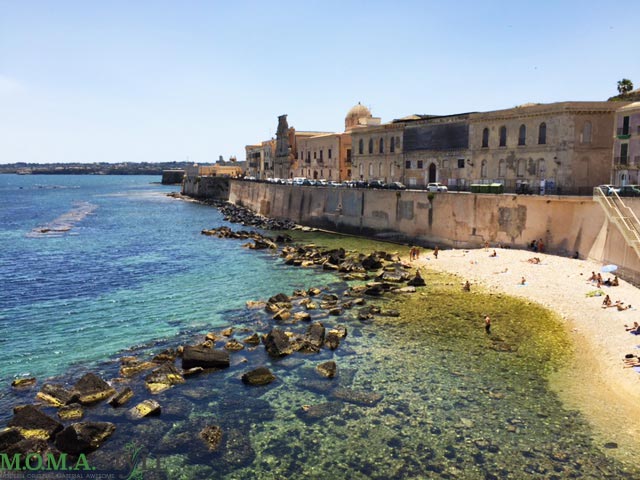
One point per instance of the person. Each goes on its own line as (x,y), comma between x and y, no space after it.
(534,245)
(494,254)
(614,282)
(523,281)
(435,252)
(417,253)
(486,245)
(621,306)
(466,287)
(540,246)
(606,302)
(534,260)
(487,324)
(635,328)
(576,255)
(593,277)
(631,361)
(412,253)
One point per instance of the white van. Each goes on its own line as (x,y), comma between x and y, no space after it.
(298,180)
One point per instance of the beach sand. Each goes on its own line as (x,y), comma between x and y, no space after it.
(594,382)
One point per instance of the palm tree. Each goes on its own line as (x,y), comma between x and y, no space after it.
(624,86)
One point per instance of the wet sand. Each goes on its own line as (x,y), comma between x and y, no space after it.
(595,381)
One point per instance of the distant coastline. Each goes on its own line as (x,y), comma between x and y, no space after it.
(123,168)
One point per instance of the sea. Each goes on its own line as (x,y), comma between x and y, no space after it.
(95,268)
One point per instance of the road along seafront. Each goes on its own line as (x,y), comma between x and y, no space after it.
(592,380)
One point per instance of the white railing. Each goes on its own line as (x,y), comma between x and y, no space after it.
(621,215)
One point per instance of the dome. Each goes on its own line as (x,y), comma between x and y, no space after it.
(355,114)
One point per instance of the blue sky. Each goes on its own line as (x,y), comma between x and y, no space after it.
(109,81)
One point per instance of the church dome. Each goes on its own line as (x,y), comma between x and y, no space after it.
(354,115)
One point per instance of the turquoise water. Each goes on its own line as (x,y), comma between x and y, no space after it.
(130,267)
(93,268)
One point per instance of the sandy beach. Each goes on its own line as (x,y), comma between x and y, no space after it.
(595,381)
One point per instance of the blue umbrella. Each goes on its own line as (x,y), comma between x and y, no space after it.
(609,268)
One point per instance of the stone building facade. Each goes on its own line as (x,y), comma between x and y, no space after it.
(260,159)
(543,148)
(626,145)
(377,152)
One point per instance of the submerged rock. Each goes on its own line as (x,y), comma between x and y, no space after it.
(259,376)
(121,398)
(212,437)
(277,343)
(233,345)
(83,437)
(358,397)
(145,409)
(312,413)
(332,340)
(73,411)
(163,378)
(315,334)
(55,395)
(327,369)
(23,382)
(252,339)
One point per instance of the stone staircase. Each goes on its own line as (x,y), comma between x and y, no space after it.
(620,215)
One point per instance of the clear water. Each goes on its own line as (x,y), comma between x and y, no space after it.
(124,270)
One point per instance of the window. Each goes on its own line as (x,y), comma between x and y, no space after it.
(371,145)
(315,155)
(371,169)
(625,125)
(522,135)
(420,165)
(445,164)
(361,169)
(392,146)
(361,147)
(521,165)
(542,134)
(308,156)
(461,163)
(380,170)
(329,153)
(541,167)
(407,164)
(624,151)
(398,143)
(485,138)
(503,136)
(483,169)
(381,149)
(392,168)
(502,168)
(586,132)
(321,154)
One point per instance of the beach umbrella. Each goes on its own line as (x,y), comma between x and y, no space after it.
(609,268)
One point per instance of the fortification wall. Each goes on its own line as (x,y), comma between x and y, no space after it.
(214,188)
(460,220)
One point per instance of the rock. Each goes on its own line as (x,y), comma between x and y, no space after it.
(120,398)
(277,343)
(340,331)
(71,412)
(327,369)
(299,293)
(252,339)
(227,332)
(332,340)
(336,311)
(417,281)
(24,448)
(163,378)
(330,297)
(371,262)
(282,315)
(311,306)
(32,423)
(23,382)
(312,413)
(212,437)
(366,399)
(390,313)
(315,334)
(259,376)
(83,437)
(302,317)
(280,297)
(55,395)
(393,276)
(168,355)
(356,276)
(238,450)
(404,290)
(313,291)
(364,314)
(131,369)
(92,389)
(9,437)
(192,371)
(205,358)
(233,345)
(145,409)
(374,289)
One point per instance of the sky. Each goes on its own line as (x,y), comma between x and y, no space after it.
(161,81)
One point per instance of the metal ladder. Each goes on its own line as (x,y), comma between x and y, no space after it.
(621,215)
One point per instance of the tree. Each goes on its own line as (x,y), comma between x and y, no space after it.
(624,86)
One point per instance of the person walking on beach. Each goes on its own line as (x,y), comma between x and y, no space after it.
(487,324)
(435,252)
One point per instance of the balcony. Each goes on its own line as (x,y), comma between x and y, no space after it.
(623,133)
(621,160)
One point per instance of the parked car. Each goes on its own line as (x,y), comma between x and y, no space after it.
(334,184)
(361,184)
(396,186)
(377,184)
(436,187)
(609,189)
(629,191)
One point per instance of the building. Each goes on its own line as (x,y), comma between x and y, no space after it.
(626,145)
(260,159)
(560,147)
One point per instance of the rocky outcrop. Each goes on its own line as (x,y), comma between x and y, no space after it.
(163,378)
(23,382)
(277,344)
(83,437)
(327,369)
(147,408)
(121,397)
(55,395)
(73,411)
(92,389)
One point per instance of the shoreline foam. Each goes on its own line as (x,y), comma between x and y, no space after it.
(595,381)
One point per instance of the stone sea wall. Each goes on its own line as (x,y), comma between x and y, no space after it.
(209,188)
(460,220)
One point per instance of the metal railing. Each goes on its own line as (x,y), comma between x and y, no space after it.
(621,215)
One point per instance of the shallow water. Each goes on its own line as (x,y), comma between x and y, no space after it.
(455,403)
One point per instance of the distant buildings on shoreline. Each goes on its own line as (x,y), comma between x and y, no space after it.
(564,147)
